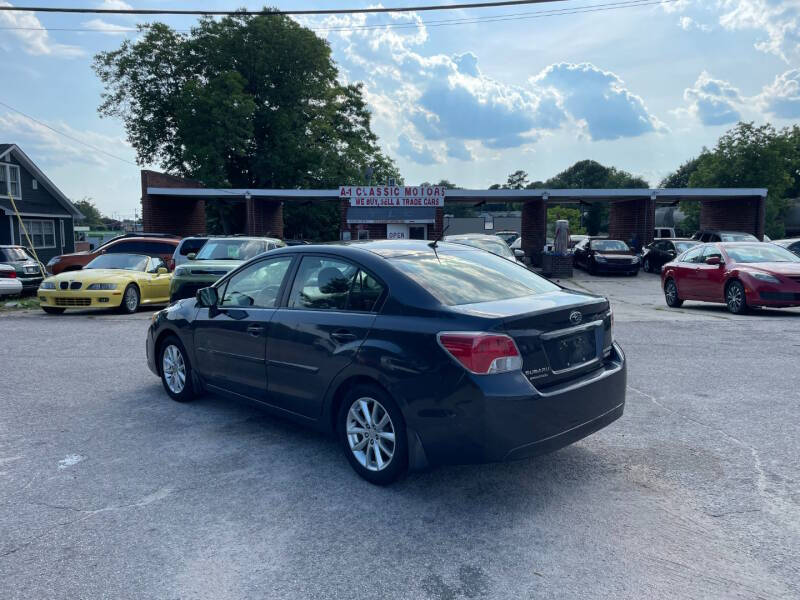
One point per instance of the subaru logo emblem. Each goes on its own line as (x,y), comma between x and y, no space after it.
(575,317)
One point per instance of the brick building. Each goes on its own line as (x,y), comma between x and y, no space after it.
(174,205)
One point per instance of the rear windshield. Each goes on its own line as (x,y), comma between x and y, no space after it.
(738,237)
(498,247)
(471,276)
(13,254)
(761,252)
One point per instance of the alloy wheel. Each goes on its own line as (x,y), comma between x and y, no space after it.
(370,434)
(174,369)
(131,300)
(671,291)
(735,297)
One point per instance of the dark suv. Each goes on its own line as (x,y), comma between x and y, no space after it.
(28,271)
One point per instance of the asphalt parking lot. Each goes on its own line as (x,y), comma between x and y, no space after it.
(109,489)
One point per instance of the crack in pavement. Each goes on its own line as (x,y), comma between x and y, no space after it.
(770,498)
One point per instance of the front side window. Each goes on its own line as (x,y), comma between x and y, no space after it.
(684,246)
(189,246)
(711,251)
(156,264)
(693,255)
(257,286)
(240,250)
(470,276)
(42,233)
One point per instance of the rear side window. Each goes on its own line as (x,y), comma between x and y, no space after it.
(333,284)
(470,276)
(124,247)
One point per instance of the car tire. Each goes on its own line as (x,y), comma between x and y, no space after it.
(366,444)
(52,310)
(591,268)
(735,297)
(130,300)
(176,370)
(671,294)
(646,266)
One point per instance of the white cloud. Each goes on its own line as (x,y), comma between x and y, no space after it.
(32,35)
(782,98)
(777,22)
(459,150)
(48,147)
(106,27)
(778,19)
(712,101)
(598,99)
(419,153)
(115,5)
(688,23)
(449,100)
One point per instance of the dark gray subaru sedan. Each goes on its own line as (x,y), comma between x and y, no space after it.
(412,353)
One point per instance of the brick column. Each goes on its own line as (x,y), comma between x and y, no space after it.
(264,217)
(734,214)
(627,218)
(435,230)
(168,214)
(343,226)
(534,229)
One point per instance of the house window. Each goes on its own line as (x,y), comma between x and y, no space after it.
(42,233)
(363,234)
(9,180)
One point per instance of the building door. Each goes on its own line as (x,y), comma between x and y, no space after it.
(396,231)
(417,232)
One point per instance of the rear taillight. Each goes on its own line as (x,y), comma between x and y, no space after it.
(482,353)
(8,274)
(171,264)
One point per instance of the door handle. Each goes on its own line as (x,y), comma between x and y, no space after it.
(342,335)
(255,330)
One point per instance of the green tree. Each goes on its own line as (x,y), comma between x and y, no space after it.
(754,156)
(91,214)
(573,215)
(590,174)
(516,180)
(243,101)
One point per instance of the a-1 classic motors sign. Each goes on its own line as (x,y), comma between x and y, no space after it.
(393,195)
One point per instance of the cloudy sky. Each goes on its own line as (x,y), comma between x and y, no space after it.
(463,95)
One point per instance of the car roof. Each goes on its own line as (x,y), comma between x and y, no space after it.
(242,238)
(143,238)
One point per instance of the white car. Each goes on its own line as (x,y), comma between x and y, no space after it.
(9,284)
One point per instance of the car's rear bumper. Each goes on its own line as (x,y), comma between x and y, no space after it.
(80,298)
(488,423)
(10,286)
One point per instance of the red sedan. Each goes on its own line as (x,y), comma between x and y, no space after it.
(739,274)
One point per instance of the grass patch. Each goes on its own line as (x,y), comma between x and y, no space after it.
(19,303)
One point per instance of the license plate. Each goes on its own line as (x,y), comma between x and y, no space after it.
(571,351)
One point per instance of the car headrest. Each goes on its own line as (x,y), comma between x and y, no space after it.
(330,280)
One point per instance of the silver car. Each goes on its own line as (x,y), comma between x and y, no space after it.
(10,285)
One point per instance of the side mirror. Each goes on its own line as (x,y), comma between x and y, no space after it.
(519,253)
(162,270)
(191,256)
(713,260)
(207,297)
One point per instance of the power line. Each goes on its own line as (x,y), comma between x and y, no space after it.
(316,11)
(66,135)
(407,24)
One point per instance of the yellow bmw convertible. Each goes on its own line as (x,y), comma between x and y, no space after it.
(122,281)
